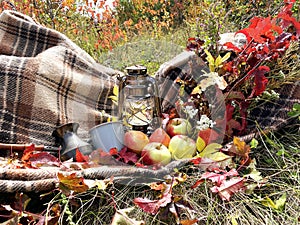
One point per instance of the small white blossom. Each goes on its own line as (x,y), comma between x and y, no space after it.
(269,95)
(191,111)
(205,123)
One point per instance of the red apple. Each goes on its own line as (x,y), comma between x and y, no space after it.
(161,136)
(182,147)
(178,126)
(135,140)
(208,135)
(156,153)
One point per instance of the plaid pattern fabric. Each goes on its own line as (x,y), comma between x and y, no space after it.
(46,81)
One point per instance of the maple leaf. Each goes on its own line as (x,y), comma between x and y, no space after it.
(231,46)
(157,186)
(209,164)
(262,29)
(286,15)
(126,156)
(28,152)
(31,159)
(229,187)
(79,157)
(218,177)
(259,79)
(43,158)
(101,157)
(71,182)
(113,151)
(152,206)
(240,148)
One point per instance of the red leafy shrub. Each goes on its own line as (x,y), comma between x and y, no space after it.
(247,71)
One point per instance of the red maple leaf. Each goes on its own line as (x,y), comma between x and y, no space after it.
(79,157)
(152,206)
(260,80)
(262,29)
(229,187)
(125,155)
(217,176)
(101,157)
(287,19)
(231,46)
(43,158)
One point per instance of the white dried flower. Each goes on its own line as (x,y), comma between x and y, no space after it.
(191,111)
(205,123)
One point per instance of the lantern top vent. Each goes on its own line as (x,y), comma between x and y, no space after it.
(136,70)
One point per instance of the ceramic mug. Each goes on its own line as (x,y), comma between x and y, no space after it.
(108,135)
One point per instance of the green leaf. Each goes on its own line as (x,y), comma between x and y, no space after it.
(295,111)
(253,143)
(277,205)
(256,175)
(225,57)
(268,203)
(296,107)
(218,61)
(280,203)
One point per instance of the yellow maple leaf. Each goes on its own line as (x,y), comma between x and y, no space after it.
(72,183)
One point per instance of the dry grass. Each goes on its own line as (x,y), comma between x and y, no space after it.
(278,160)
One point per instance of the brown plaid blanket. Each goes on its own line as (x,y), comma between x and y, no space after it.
(45,81)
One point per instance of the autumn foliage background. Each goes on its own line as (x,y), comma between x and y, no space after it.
(97,27)
(176,22)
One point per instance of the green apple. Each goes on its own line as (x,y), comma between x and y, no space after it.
(182,147)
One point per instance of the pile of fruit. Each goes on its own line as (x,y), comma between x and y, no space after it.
(172,143)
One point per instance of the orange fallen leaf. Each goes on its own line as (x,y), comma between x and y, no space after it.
(72,183)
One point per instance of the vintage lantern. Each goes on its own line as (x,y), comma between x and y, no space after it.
(138,101)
